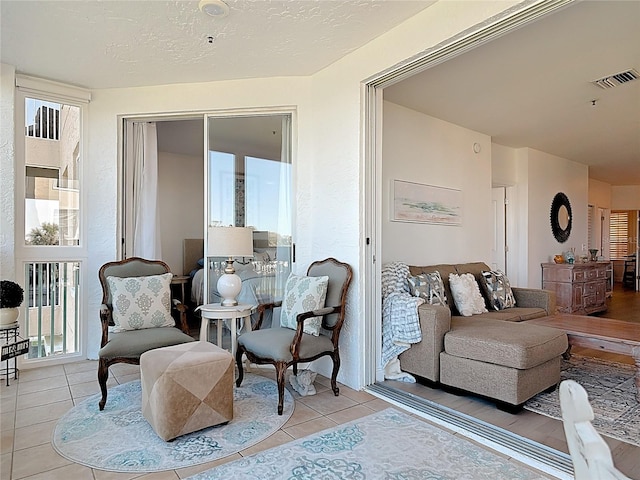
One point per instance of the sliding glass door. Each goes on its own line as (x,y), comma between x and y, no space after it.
(249,185)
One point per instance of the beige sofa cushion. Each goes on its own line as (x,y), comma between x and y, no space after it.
(515,345)
(514,314)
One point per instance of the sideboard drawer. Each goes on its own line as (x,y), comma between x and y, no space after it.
(590,300)
(578,276)
(590,288)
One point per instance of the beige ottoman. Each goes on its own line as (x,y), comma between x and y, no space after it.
(186,388)
(506,361)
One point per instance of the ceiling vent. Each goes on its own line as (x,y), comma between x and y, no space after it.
(617,79)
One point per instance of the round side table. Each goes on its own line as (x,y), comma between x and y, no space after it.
(215,311)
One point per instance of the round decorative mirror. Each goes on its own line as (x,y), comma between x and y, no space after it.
(561,220)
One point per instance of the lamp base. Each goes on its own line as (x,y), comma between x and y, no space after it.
(229,286)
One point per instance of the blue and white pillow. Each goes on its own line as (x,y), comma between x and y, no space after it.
(303,294)
(141,302)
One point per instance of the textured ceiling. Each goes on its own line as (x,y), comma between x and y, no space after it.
(528,88)
(102,44)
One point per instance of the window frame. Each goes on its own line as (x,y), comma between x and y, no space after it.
(25,254)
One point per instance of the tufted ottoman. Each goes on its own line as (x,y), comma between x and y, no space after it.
(186,388)
(508,361)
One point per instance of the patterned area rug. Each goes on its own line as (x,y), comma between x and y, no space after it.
(120,439)
(611,389)
(388,445)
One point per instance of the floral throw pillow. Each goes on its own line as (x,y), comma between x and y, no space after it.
(430,287)
(303,294)
(498,289)
(141,302)
(466,294)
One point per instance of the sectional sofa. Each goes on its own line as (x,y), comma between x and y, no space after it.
(495,354)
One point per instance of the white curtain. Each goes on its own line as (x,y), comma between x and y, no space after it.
(146,221)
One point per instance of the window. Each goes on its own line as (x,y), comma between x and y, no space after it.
(226,197)
(619,234)
(50,255)
(43,119)
(52,172)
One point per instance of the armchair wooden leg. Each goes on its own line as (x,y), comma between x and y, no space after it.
(334,374)
(103,376)
(295,369)
(281,369)
(239,353)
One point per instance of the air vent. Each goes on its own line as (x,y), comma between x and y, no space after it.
(617,79)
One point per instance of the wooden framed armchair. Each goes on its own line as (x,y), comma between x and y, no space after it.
(285,347)
(134,333)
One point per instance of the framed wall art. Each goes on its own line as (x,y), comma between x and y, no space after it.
(415,202)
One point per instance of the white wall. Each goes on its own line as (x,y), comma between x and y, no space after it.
(422,149)
(599,194)
(180,203)
(7,172)
(546,176)
(504,170)
(626,197)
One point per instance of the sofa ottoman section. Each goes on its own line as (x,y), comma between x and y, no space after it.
(186,388)
(508,361)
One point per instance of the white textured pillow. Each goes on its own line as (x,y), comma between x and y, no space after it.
(141,302)
(466,294)
(303,294)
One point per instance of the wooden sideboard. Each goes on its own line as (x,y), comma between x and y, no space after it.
(580,287)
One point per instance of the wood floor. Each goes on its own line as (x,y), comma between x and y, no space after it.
(624,305)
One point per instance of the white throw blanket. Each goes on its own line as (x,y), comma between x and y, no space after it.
(400,321)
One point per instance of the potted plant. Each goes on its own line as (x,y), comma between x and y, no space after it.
(11,296)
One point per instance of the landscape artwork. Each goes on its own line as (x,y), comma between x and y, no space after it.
(415,202)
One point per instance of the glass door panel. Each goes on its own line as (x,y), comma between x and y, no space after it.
(249,185)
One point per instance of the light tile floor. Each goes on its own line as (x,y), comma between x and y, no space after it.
(31,405)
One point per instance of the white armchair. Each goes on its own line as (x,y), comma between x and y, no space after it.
(590,454)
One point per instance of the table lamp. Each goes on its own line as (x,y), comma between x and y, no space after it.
(229,242)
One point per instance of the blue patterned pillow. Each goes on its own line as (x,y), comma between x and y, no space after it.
(497,289)
(303,294)
(141,302)
(430,287)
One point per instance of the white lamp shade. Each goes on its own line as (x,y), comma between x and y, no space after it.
(230,242)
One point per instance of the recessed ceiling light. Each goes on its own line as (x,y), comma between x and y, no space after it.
(214,8)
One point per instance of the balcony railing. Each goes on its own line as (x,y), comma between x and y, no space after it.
(52,308)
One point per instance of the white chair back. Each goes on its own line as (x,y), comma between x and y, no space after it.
(590,454)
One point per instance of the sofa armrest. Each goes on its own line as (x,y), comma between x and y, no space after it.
(535,297)
(423,358)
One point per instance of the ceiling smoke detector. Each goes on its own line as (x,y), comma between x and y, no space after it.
(214,8)
(617,79)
